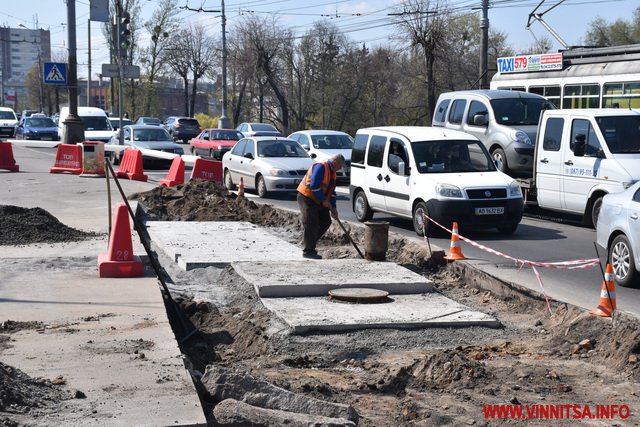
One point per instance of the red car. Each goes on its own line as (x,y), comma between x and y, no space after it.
(215,142)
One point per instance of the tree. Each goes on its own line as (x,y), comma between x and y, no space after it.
(200,52)
(423,24)
(620,32)
(163,21)
(174,57)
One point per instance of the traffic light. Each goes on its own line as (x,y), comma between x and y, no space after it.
(124,36)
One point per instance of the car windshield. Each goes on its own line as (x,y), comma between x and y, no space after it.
(226,135)
(332,142)
(518,111)
(151,135)
(263,127)
(280,148)
(40,122)
(621,133)
(96,123)
(451,156)
(7,115)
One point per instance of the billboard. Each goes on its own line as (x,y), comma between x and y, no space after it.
(530,63)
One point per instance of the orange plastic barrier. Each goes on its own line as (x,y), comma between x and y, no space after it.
(211,170)
(455,252)
(131,166)
(176,173)
(120,261)
(6,157)
(607,304)
(68,159)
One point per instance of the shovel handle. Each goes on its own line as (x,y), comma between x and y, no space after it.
(349,237)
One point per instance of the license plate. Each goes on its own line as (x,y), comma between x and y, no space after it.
(490,211)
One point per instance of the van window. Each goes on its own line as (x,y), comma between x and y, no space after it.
(451,156)
(359,147)
(376,151)
(621,133)
(553,134)
(96,123)
(441,109)
(581,126)
(476,107)
(457,111)
(397,154)
(518,111)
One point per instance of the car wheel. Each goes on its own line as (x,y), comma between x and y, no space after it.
(508,229)
(499,157)
(420,222)
(228,183)
(361,207)
(623,262)
(592,213)
(261,186)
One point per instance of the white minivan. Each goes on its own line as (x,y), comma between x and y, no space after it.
(96,123)
(417,172)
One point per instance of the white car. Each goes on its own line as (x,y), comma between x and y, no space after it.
(150,137)
(322,144)
(266,164)
(258,129)
(618,231)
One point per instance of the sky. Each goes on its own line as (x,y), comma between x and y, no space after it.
(363,21)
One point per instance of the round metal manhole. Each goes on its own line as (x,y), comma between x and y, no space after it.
(359,295)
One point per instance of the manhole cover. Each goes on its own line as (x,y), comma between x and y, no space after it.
(359,295)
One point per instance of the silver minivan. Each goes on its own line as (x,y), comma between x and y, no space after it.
(505,121)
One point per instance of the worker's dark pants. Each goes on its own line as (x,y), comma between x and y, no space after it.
(316,220)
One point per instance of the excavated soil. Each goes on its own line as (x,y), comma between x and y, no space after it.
(421,377)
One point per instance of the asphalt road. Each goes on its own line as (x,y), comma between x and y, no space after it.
(542,236)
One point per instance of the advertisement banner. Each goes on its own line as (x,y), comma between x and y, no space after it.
(530,63)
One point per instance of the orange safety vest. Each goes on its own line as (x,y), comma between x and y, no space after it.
(327,186)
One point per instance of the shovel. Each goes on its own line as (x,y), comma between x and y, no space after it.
(349,236)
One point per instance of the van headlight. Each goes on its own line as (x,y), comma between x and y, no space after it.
(514,189)
(448,190)
(278,172)
(521,137)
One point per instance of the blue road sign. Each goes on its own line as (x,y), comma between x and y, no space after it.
(55,73)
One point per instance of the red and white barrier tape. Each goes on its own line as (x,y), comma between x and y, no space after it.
(565,265)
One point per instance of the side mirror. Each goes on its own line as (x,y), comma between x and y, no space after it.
(580,145)
(480,120)
(248,156)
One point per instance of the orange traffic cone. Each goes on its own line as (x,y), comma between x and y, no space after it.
(241,188)
(119,260)
(455,253)
(607,304)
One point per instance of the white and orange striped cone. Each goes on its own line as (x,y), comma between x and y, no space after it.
(241,188)
(607,304)
(455,253)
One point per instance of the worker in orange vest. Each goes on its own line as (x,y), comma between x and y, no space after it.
(317,201)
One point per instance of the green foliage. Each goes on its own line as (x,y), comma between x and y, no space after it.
(620,32)
(206,121)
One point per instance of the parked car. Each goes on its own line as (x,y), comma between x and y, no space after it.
(258,129)
(149,121)
(182,128)
(150,137)
(266,164)
(115,122)
(215,142)
(32,127)
(618,231)
(322,144)
(417,172)
(8,122)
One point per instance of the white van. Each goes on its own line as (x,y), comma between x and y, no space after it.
(505,121)
(583,154)
(96,123)
(446,175)
(8,122)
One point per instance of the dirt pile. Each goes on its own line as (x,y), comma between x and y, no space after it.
(19,393)
(23,226)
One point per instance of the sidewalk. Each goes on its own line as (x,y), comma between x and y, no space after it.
(108,338)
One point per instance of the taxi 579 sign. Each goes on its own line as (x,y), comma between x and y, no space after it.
(527,63)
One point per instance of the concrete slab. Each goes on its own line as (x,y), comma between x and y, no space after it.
(405,311)
(276,279)
(200,244)
(108,338)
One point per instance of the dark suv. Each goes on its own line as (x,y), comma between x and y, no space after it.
(182,128)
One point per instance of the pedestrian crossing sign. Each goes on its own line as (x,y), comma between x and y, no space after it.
(55,73)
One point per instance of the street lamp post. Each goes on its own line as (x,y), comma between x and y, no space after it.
(72,129)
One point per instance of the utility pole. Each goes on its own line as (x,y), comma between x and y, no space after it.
(484,45)
(223,121)
(72,129)
(89,63)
